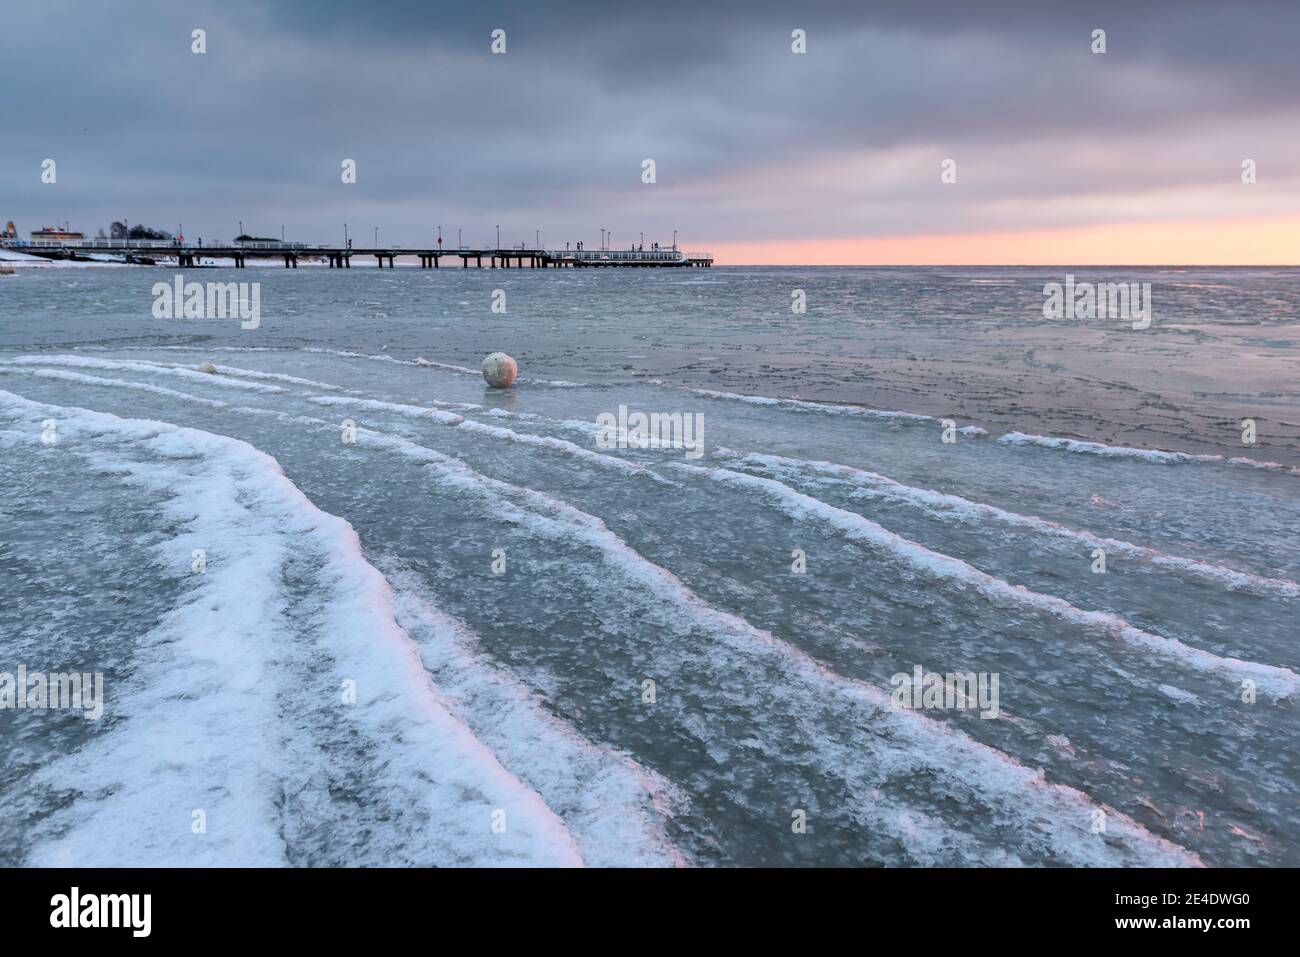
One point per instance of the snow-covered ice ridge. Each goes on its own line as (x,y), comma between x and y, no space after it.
(1157,456)
(288,648)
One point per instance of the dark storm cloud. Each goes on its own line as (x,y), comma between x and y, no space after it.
(750,140)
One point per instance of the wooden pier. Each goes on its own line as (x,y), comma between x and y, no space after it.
(340,257)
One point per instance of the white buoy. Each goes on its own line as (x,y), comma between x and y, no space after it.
(500,370)
(207,367)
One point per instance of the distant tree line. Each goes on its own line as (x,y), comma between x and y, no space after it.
(123,230)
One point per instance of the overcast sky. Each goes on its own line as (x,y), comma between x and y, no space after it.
(761,154)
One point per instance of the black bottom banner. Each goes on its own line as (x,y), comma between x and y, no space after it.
(334,906)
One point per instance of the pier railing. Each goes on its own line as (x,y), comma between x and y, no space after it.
(112,244)
(625,254)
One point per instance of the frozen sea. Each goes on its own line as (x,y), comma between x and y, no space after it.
(467,634)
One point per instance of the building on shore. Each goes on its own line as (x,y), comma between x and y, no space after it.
(64,234)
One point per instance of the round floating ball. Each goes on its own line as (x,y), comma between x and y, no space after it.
(207,367)
(499,370)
